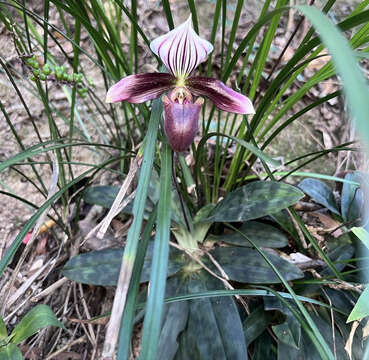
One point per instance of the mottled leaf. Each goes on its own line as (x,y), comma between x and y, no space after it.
(214,329)
(39,317)
(248,266)
(264,348)
(102,267)
(262,234)
(254,200)
(174,322)
(320,193)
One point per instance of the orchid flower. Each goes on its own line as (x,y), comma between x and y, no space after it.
(181,50)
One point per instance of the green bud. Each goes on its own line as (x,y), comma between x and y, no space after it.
(43,77)
(58,74)
(36,72)
(65,76)
(90,82)
(46,69)
(70,78)
(32,78)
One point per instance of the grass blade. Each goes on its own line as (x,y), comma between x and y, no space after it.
(134,232)
(154,309)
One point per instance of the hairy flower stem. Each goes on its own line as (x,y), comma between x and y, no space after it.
(179,192)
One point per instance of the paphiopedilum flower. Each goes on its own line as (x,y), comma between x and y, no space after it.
(181,50)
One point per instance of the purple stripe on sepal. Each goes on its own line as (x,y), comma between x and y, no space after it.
(221,95)
(181,122)
(140,88)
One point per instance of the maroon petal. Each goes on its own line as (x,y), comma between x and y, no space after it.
(140,88)
(221,95)
(181,122)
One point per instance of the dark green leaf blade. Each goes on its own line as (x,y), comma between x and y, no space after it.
(262,234)
(352,200)
(101,195)
(102,267)
(174,319)
(320,193)
(222,336)
(246,265)
(255,324)
(39,317)
(254,200)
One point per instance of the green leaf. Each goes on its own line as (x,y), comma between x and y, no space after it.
(355,84)
(102,267)
(127,321)
(158,276)
(352,200)
(320,193)
(246,265)
(222,336)
(174,320)
(362,234)
(254,200)
(10,352)
(262,234)
(255,324)
(289,331)
(263,348)
(105,195)
(307,350)
(3,332)
(361,308)
(39,317)
(101,195)
(338,255)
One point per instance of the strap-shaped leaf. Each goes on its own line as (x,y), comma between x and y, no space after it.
(254,200)
(39,317)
